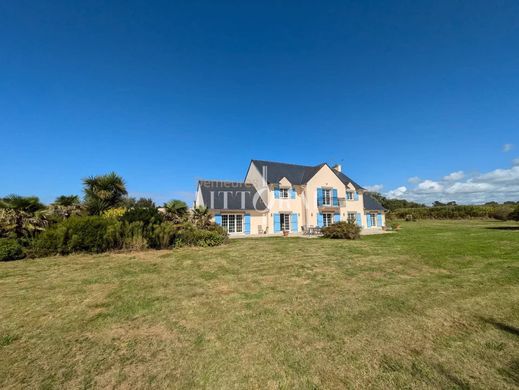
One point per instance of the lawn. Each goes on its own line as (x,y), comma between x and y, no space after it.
(434,305)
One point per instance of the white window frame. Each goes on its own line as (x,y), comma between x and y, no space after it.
(351,217)
(284,222)
(327,219)
(284,193)
(349,195)
(233,223)
(327,197)
(373,218)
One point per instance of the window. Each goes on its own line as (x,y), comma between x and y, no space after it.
(352,217)
(285,222)
(233,223)
(283,193)
(327,219)
(327,197)
(349,195)
(373,218)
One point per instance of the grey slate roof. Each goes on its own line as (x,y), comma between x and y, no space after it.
(240,196)
(296,174)
(346,180)
(371,203)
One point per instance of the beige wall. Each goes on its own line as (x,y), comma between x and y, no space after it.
(257,219)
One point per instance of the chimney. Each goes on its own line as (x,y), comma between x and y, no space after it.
(337,167)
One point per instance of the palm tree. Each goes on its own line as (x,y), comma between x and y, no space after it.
(176,210)
(30,204)
(21,216)
(67,200)
(201,216)
(104,192)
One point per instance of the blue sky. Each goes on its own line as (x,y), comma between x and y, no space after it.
(403,94)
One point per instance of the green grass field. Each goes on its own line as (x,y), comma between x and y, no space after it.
(434,305)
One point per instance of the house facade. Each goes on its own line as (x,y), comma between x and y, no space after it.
(276,197)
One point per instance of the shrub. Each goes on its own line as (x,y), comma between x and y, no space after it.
(134,236)
(117,212)
(342,230)
(77,234)
(146,215)
(10,249)
(514,215)
(190,235)
(164,235)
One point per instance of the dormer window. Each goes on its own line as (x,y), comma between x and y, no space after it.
(349,195)
(283,193)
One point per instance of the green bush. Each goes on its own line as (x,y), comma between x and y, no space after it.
(95,234)
(342,230)
(190,235)
(92,234)
(496,211)
(514,215)
(10,249)
(164,235)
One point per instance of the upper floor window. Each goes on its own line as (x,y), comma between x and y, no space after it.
(283,193)
(327,197)
(349,195)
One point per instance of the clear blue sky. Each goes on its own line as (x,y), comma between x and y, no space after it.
(165,93)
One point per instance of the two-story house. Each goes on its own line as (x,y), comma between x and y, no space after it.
(277,197)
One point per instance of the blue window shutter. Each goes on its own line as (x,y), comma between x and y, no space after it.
(293,222)
(335,198)
(336,217)
(368,220)
(319,196)
(379,219)
(292,193)
(320,221)
(359,219)
(277,223)
(218,219)
(356,196)
(276,192)
(247,224)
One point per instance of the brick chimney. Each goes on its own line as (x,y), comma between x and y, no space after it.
(337,167)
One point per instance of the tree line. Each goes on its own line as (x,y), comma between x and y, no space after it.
(404,209)
(105,218)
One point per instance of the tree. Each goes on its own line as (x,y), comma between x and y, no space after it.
(29,204)
(67,200)
(21,216)
(514,215)
(394,204)
(104,192)
(176,210)
(201,216)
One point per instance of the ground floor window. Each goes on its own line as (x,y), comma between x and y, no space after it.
(352,217)
(285,222)
(373,218)
(327,219)
(233,223)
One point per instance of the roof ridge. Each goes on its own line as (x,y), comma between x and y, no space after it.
(222,181)
(294,165)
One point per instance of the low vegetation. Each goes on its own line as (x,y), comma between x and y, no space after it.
(342,230)
(106,220)
(431,306)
